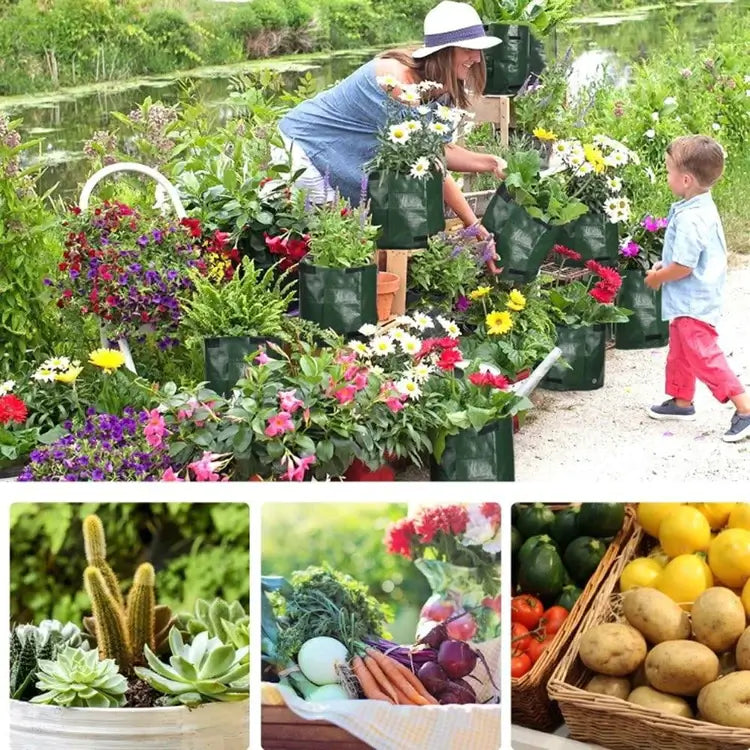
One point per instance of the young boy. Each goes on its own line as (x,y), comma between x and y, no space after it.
(693,271)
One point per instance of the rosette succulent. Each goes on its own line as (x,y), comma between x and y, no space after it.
(201,672)
(78,679)
(227,622)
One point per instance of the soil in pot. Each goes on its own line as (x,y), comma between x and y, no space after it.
(140,694)
(388,284)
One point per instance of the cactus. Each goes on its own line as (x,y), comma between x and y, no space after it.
(140,612)
(111,628)
(78,678)
(95,545)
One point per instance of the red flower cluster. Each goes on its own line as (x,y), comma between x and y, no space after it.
(491,511)
(450,519)
(215,252)
(12,409)
(398,537)
(291,249)
(605,290)
(448,359)
(440,345)
(566,252)
(487,378)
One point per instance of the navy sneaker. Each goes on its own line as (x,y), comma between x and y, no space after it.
(670,410)
(738,429)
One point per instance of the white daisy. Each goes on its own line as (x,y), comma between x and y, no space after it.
(584,169)
(655,116)
(381,346)
(410,96)
(44,375)
(397,334)
(439,128)
(411,345)
(359,347)
(58,363)
(420,168)
(408,387)
(376,370)
(599,140)
(422,321)
(6,387)
(421,372)
(449,327)
(398,133)
(561,148)
(387,81)
(614,184)
(618,158)
(576,160)
(413,126)
(405,320)
(445,113)
(611,205)
(423,109)
(368,329)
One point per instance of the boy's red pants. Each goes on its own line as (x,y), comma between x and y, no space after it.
(694,354)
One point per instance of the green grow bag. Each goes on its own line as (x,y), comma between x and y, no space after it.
(471,456)
(224,360)
(343,299)
(508,63)
(594,237)
(522,241)
(645,329)
(408,210)
(583,349)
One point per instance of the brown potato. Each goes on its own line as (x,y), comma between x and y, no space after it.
(742,652)
(727,700)
(617,687)
(613,649)
(655,615)
(681,667)
(670,704)
(718,618)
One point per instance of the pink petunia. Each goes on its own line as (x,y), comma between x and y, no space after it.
(288,401)
(204,468)
(394,403)
(155,429)
(360,380)
(187,411)
(346,394)
(170,476)
(278,424)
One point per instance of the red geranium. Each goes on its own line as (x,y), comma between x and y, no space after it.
(12,409)
(491,511)
(448,359)
(194,225)
(487,378)
(398,537)
(449,519)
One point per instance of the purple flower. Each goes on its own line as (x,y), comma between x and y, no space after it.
(470,231)
(630,250)
(142,240)
(457,250)
(157,235)
(650,224)
(462,303)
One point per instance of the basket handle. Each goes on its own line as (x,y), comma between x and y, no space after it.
(131,166)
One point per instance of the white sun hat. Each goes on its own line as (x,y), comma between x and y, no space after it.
(452,24)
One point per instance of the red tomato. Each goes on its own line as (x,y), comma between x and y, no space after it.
(553,619)
(437,610)
(526,609)
(463,628)
(519,665)
(519,636)
(492,603)
(536,648)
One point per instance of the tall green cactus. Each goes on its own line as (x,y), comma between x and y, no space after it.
(111,628)
(140,612)
(95,545)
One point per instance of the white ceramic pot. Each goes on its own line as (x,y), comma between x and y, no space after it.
(211,726)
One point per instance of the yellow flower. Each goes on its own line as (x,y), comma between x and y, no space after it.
(516,300)
(544,135)
(479,292)
(594,157)
(69,376)
(107,359)
(499,322)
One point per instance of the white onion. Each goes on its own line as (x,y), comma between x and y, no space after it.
(318,658)
(328,693)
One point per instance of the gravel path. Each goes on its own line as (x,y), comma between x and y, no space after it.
(607,435)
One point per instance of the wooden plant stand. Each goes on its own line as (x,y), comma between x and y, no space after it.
(494,109)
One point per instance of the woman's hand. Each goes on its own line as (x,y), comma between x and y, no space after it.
(486,236)
(498,165)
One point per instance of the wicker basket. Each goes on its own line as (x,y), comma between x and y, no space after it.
(531,706)
(615,723)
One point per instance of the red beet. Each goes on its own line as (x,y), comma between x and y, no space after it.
(433,677)
(457,658)
(457,691)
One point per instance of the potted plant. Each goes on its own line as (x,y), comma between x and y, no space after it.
(521,25)
(234,317)
(581,310)
(526,213)
(595,174)
(405,176)
(638,252)
(16,438)
(69,688)
(338,278)
(457,549)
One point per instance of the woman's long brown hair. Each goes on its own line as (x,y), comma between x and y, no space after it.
(439,67)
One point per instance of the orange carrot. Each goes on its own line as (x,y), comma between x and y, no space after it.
(403,700)
(415,682)
(370,687)
(396,678)
(372,667)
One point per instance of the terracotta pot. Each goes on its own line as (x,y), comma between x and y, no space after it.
(387,287)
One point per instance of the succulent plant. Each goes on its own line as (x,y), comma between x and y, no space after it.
(80,679)
(30,643)
(204,671)
(227,622)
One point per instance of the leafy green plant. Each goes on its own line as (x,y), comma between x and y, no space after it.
(252,303)
(79,678)
(203,671)
(542,17)
(227,622)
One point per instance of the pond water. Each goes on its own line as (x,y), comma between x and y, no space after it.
(63,122)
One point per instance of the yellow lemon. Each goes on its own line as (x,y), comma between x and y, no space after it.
(745,596)
(729,557)
(643,571)
(684,579)
(683,531)
(650,515)
(717,514)
(739,518)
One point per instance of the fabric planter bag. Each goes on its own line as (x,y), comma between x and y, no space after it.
(408,210)
(522,241)
(508,63)
(471,456)
(645,329)
(224,360)
(583,349)
(343,299)
(594,237)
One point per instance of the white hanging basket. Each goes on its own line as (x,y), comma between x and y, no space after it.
(163,183)
(211,726)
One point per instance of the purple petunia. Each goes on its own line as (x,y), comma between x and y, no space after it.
(630,249)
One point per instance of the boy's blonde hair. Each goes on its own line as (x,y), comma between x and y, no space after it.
(698,155)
